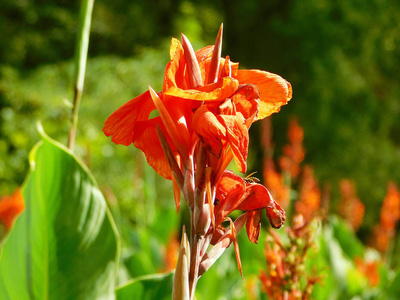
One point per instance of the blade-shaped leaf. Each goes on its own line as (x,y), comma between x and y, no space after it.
(64,245)
(157,286)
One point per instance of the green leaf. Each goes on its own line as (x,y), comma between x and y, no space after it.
(64,245)
(393,291)
(157,286)
(347,239)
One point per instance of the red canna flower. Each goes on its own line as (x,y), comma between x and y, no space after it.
(204,96)
(10,208)
(206,108)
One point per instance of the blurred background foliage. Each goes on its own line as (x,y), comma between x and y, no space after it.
(341,57)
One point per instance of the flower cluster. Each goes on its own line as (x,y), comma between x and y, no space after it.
(205,108)
(285,263)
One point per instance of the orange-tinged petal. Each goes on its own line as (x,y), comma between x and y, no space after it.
(256,197)
(246,99)
(229,68)
(222,89)
(230,188)
(237,137)
(146,139)
(204,53)
(253,225)
(121,124)
(274,90)
(211,131)
(176,130)
(174,72)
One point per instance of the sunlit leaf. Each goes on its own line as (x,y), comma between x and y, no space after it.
(64,246)
(157,286)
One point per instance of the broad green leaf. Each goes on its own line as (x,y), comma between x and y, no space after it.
(158,286)
(64,245)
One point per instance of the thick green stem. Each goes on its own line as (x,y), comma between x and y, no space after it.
(81,51)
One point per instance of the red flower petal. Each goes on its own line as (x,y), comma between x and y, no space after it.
(230,189)
(222,89)
(208,127)
(253,225)
(246,99)
(146,139)
(121,124)
(174,72)
(274,90)
(238,138)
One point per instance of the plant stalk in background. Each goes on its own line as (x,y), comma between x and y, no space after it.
(81,51)
(206,108)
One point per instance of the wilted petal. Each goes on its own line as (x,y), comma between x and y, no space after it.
(276,215)
(121,124)
(274,90)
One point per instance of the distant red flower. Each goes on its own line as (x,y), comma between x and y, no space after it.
(390,215)
(10,208)
(171,252)
(309,200)
(274,182)
(350,208)
(369,270)
(293,152)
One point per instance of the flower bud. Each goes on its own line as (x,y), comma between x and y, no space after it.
(202,220)
(276,215)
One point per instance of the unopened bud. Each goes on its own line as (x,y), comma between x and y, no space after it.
(202,219)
